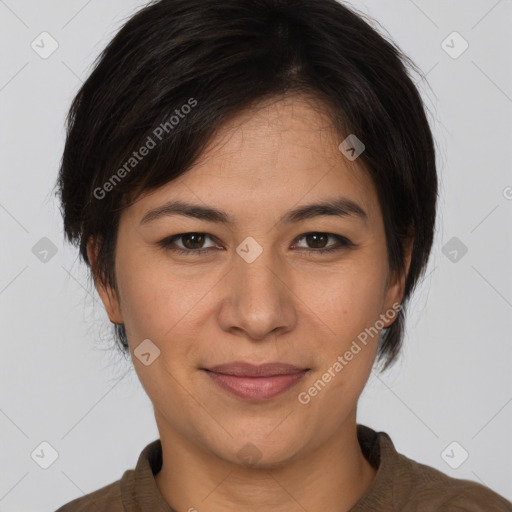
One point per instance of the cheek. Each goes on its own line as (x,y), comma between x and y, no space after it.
(158,299)
(347,300)
(146,296)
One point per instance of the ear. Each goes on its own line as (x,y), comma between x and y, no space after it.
(108,295)
(396,287)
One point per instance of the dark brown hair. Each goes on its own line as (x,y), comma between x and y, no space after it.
(179,69)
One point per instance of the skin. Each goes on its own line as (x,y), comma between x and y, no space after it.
(289,305)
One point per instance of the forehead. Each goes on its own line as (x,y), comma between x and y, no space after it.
(292,132)
(274,156)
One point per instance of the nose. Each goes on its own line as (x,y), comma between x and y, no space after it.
(259,301)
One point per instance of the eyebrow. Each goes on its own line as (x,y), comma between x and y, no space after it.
(339,207)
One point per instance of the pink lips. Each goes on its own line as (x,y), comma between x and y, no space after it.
(252,382)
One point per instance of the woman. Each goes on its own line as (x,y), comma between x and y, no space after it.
(253,185)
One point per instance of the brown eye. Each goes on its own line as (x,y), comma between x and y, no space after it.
(317,242)
(191,243)
(193,240)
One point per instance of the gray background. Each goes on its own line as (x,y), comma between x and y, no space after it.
(61,384)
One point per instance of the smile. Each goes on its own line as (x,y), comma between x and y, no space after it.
(256,388)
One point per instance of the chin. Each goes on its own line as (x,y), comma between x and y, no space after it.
(270,449)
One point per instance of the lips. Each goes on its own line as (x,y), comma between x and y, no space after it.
(241,369)
(255,382)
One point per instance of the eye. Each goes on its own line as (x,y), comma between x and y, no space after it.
(192,244)
(316,238)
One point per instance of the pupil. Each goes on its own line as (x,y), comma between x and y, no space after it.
(315,236)
(192,236)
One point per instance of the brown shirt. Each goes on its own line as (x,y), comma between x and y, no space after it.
(400,485)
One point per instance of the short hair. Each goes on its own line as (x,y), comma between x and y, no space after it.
(179,69)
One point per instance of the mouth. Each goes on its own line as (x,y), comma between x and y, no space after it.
(255,382)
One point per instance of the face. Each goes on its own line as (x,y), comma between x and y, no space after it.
(258,288)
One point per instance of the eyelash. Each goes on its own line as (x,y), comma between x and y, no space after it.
(167,242)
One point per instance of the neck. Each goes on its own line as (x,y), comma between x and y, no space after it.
(333,476)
